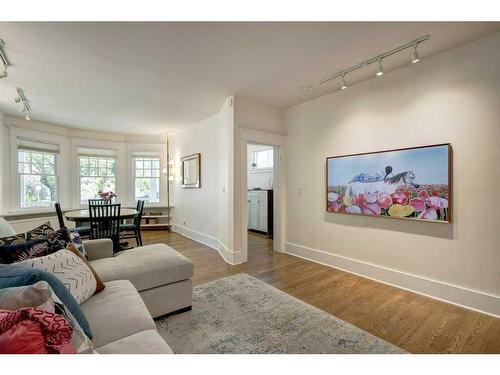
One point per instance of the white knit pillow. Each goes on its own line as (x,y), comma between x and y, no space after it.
(70,269)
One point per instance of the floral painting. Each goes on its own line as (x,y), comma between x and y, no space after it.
(407,183)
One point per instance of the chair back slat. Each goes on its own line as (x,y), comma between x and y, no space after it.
(60,217)
(105,221)
(99,201)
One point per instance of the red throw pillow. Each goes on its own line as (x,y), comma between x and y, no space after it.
(33,331)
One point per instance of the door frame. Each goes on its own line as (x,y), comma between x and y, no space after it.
(279,144)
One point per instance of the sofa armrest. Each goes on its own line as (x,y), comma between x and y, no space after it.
(99,249)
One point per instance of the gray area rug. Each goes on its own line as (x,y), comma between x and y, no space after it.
(240,314)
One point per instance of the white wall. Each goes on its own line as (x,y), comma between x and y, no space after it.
(452,97)
(248,115)
(202,214)
(262,179)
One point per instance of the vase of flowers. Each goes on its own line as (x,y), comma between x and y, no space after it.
(107,195)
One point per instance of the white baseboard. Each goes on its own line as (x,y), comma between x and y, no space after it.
(230,257)
(457,295)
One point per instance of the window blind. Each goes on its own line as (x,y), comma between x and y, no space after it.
(34,145)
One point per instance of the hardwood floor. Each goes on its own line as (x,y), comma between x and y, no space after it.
(413,322)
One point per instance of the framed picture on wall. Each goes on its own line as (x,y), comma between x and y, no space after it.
(408,183)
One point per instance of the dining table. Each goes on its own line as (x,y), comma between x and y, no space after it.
(83,215)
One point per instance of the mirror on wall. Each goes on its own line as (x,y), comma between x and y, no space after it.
(191,171)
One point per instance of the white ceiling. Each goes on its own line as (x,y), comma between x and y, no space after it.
(150,78)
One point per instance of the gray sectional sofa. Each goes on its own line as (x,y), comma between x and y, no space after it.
(141,284)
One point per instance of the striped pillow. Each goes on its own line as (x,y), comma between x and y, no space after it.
(73,272)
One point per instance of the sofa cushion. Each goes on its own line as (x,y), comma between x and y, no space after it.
(116,312)
(146,267)
(145,342)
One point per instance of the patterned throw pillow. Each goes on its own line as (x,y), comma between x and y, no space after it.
(33,331)
(38,247)
(23,251)
(41,296)
(77,241)
(40,231)
(74,273)
(13,240)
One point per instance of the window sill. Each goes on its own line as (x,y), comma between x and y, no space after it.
(260,170)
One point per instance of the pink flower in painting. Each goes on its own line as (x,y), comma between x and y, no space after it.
(384,200)
(417,204)
(436,202)
(435,193)
(423,194)
(399,198)
(336,206)
(429,214)
(371,209)
(372,198)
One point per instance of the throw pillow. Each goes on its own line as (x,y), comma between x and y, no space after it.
(41,296)
(17,275)
(5,228)
(11,240)
(33,331)
(77,241)
(41,246)
(71,270)
(23,251)
(40,231)
(100,285)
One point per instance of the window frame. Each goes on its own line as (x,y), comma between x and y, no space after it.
(134,176)
(56,175)
(79,175)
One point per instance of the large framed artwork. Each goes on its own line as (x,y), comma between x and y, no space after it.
(408,183)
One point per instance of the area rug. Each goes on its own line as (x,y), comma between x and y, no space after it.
(240,314)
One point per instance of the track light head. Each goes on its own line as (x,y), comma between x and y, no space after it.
(380,72)
(17,100)
(343,85)
(415,58)
(27,117)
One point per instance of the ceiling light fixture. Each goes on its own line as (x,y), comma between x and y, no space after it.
(413,44)
(343,85)
(415,58)
(380,72)
(25,105)
(307,88)
(3,60)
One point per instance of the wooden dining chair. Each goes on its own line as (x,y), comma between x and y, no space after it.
(133,230)
(83,230)
(105,222)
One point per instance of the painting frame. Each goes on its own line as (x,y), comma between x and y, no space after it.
(449,219)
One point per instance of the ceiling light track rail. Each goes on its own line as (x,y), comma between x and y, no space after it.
(378,59)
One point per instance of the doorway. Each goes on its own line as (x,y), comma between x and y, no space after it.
(277,142)
(260,198)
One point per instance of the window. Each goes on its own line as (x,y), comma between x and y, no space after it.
(262,159)
(37,177)
(147,179)
(97,174)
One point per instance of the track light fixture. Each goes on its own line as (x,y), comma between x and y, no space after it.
(380,71)
(25,105)
(4,61)
(343,85)
(378,59)
(415,58)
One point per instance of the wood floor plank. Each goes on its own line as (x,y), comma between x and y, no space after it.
(411,321)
